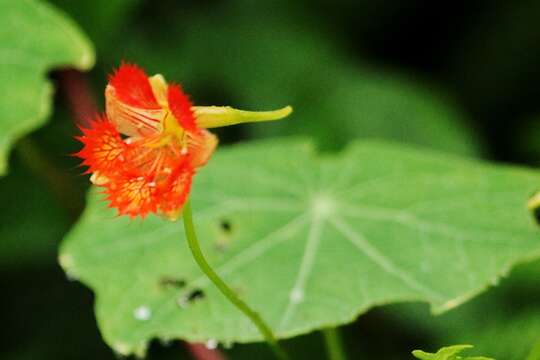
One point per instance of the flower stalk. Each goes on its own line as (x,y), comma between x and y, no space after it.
(334,344)
(193,243)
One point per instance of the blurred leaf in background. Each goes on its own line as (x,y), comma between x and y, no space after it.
(535,352)
(265,56)
(102,20)
(42,195)
(35,38)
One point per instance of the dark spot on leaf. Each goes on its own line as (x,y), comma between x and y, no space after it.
(226,226)
(167,281)
(196,294)
(190,297)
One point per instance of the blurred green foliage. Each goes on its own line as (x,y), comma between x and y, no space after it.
(460,78)
(447,353)
(226,56)
(35,38)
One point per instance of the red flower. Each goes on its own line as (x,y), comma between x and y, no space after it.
(150,168)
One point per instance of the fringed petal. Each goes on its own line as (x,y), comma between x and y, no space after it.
(178,188)
(164,193)
(138,178)
(131,104)
(104,151)
(180,106)
(132,87)
(134,196)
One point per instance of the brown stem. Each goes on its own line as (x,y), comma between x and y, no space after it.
(201,352)
(76,90)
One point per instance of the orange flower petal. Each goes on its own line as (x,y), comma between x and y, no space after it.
(200,143)
(178,187)
(104,150)
(132,196)
(131,104)
(138,178)
(133,88)
(140,195)
(181,108)
(201,146)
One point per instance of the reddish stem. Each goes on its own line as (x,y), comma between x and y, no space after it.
(75,88)
(201,352)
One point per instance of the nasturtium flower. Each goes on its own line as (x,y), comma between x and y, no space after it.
(147,147)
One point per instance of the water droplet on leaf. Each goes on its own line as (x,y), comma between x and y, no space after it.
(296,296)
(71,276)
(211,344)
(142,313)
(121,349)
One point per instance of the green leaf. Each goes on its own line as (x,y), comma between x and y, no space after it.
(34,38)
(308,241)
(447,353)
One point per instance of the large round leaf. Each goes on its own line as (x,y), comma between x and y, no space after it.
(309,242)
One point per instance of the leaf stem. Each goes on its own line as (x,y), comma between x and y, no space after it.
(333,343)
(535,352)
(226,290)
(201,352)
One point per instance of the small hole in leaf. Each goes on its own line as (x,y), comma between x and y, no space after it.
(167,281)
(196,294)
(190,297)
(225,225)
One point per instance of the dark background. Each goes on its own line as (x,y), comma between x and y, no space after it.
(459,76)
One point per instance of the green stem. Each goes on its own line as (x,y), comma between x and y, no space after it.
(225,290)
(334,345)
(535,352)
